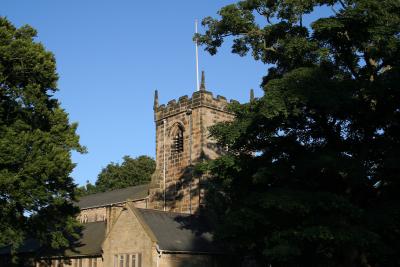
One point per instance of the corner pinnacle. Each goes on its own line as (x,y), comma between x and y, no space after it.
(155,107)
(203,82)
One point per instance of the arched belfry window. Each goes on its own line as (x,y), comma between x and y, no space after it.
(177,139)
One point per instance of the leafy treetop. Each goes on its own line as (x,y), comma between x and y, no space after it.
(132,171)
(36,140)
(311,177)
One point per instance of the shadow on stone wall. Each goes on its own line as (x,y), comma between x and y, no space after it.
(183,194)
(198,223)
(201,261)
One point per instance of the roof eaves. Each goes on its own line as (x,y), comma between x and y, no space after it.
(115,203)
(70,256)
(104,205)
(187,252)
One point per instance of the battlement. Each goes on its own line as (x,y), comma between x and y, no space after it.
(184,103)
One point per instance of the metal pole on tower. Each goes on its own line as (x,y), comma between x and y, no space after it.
(197,58)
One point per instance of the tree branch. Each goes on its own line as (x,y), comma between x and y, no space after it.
(342,4)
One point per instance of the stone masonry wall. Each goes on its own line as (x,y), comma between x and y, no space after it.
(128,237)
(93,215)
(186,260)
(66,262)
(107,213)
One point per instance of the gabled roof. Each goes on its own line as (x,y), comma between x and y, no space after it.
(114,196)
(90,242)
(177,232)
(92,238)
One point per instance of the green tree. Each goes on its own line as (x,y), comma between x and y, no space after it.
(311,176)
(85,190)
(131,172)
(36,140)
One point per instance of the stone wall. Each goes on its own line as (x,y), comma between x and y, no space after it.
(193,116)
(66,262)
(107,213)
(186,260)
(93,215)
(127,237)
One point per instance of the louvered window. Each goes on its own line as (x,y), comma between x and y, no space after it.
(178,141)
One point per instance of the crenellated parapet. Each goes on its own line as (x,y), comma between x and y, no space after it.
(184,103)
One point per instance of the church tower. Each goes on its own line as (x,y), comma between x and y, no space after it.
(182,140)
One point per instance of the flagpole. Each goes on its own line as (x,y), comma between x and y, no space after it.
(197,57)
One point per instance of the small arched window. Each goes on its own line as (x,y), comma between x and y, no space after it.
(177,139)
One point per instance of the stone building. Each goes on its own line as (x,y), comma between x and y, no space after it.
(157,224)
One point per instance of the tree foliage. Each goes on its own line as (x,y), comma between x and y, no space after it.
(36,140)
(312,173)
(130,172)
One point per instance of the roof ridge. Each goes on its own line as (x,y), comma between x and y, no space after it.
(120,195)
(115,190)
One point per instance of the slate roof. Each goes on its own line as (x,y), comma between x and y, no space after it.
(29,246)
(114,196)
(177,232)
(93,235)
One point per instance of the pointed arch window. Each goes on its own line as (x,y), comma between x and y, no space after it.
(177,139)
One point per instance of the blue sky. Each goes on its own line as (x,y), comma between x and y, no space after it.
(112,55)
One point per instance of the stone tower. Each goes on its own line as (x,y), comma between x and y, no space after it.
(182,140)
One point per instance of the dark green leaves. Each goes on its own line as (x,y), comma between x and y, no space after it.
(312,170)
(36,140)
(131,172)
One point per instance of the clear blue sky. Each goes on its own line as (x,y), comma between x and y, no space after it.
(112,55)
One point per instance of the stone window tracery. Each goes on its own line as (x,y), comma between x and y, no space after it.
(177,139)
